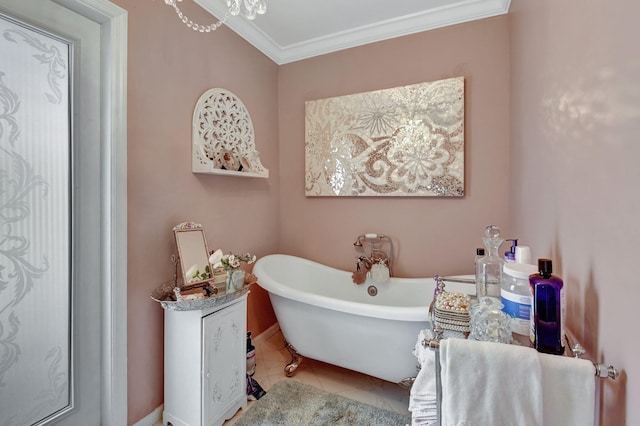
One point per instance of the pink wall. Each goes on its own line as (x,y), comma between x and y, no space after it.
(575,120)
(432,235)
(170,66)
(570,72)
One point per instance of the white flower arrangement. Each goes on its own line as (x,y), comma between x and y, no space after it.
(230,261)
(193,274)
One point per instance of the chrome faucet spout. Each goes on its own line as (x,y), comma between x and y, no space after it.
(370,244)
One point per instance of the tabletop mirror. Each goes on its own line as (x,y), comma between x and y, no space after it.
(193,253)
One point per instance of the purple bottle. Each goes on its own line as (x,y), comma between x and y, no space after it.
(548,310)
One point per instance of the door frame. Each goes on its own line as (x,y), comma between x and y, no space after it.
(113,189)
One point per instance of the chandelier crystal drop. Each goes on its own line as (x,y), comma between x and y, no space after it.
(250,9)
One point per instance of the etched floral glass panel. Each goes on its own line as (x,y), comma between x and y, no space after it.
(35,318)
(405,141)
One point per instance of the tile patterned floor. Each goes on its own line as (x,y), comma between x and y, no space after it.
(271,357)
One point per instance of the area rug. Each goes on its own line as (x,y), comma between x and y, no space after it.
(290,403)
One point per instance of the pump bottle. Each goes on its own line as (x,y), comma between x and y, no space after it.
(510,256)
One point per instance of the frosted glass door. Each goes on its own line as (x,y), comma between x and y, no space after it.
(35,225)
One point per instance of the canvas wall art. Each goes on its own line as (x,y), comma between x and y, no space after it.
(405,141)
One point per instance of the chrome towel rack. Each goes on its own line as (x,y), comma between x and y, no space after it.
(574,349)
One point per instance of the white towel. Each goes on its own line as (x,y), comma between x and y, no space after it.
(569,387)
(422,400)
(486,383)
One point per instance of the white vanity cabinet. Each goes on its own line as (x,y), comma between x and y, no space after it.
(205,364)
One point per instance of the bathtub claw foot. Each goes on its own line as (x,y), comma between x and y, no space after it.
(296,358)
(407,383)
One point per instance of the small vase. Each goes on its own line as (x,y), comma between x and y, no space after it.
(235,280)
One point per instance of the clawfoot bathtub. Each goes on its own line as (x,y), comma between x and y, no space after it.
(325,316)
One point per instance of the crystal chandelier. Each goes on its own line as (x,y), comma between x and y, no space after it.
(249,8)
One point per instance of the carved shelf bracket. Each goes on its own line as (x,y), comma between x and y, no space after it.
(222,137)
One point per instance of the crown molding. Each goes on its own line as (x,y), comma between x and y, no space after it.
(455,13)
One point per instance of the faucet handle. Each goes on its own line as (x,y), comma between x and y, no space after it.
(365,262)
(360,275)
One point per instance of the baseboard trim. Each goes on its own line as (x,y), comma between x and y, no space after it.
(265,335)
(152,418)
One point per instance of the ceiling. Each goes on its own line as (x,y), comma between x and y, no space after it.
(292,30)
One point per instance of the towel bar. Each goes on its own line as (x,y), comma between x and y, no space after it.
(576,350)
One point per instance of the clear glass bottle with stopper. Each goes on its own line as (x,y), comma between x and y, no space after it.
(489,268)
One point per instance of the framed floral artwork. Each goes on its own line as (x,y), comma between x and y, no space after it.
(404,141)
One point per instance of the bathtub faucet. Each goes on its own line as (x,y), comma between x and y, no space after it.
(363,266)
(373,257)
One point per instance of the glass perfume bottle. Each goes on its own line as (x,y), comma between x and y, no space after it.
(489,268)
(489,323)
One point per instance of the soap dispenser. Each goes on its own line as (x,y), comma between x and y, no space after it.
(489,268)
(510,256)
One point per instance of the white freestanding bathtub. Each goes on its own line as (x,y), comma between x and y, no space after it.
(327,317)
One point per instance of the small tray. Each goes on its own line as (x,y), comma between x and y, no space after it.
(160,295)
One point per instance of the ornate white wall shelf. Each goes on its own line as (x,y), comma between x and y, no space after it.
(222,137)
